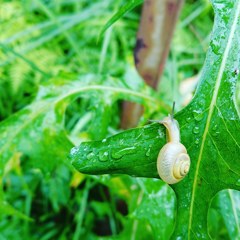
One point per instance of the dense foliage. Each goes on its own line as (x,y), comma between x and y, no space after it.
(63,83)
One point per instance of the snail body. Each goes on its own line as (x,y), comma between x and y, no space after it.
(173,162)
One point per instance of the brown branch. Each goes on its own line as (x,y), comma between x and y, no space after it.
(154,36)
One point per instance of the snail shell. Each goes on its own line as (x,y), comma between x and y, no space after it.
(173,162)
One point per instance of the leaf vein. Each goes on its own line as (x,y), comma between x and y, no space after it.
(227,128)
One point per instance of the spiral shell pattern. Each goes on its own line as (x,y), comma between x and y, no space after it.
(173,162)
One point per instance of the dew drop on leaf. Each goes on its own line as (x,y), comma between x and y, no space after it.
(90,156)
(196,130)
(197,141)
(103,156)
(116,155)
(214,127)
(74,150)
(148,152)
(197,114)
(122,152)
(160,134)
(188,119)
(215,133)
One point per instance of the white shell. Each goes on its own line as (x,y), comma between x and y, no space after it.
(173,162)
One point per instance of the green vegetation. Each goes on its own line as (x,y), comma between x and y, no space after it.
(63,77)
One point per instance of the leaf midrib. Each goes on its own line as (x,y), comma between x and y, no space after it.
(210,113)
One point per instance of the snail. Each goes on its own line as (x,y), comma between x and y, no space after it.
(173,162)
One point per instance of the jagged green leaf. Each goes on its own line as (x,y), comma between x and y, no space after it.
(157,208)
(43,120)
(210,128)
(37,132)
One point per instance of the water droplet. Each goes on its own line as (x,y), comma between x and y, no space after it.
(198,115)
(215,130)
(196,130)
(122,152)
(103,156)
(148,152)
(74,150)
(104,140)
(215,133)
(90,156)
(197,141)
(215,127)
(161,134)
(188,119)
(201,102)
(198,235)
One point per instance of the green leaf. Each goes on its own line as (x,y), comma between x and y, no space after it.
(157,208)
(43,120)
(49,31)
(147,201)
(228,202)
(7,209)
(123,10)
(210,129)
(37,132)
(40,122)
